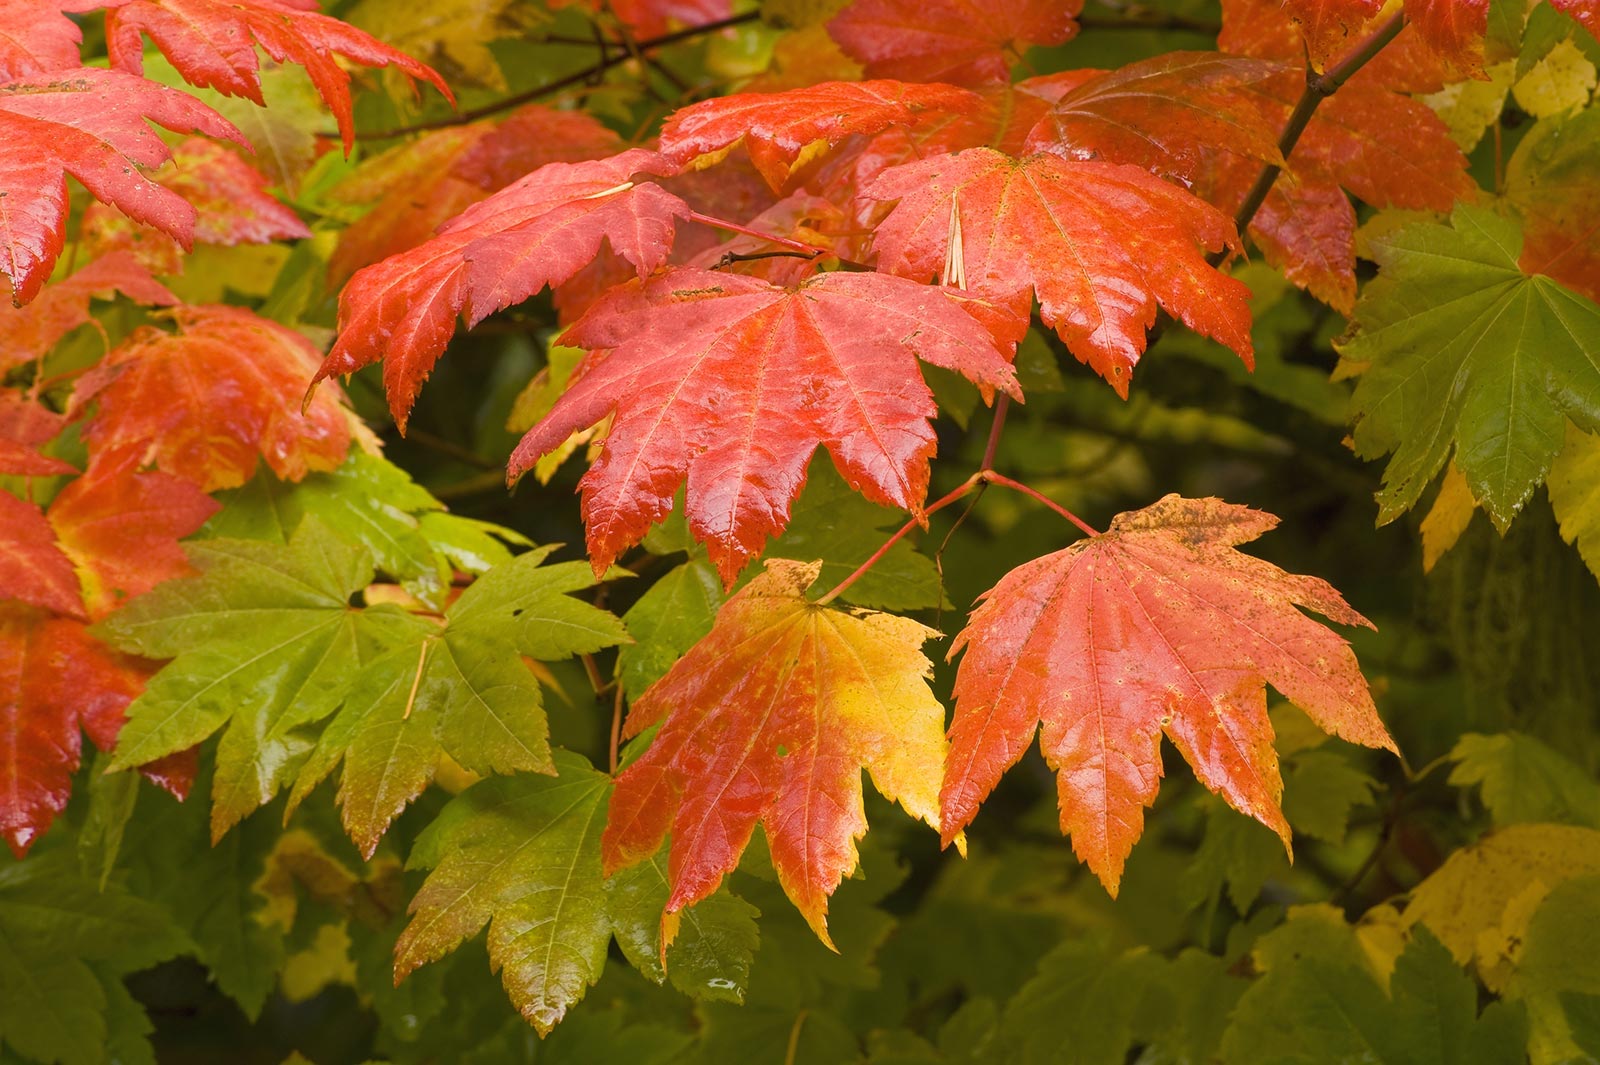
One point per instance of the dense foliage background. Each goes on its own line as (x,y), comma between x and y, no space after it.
(355,670)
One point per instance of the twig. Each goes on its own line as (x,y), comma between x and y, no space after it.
(462,118)
(1318,88)
(944,501)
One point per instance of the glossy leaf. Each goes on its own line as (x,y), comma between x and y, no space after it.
(1457,346)
(955,41)
(732,383)
(1156,627)
(536,232)
(35,39)
(770,719)
(94,125)
(1102,246)
(776,129)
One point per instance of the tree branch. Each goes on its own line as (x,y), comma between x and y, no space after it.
(604,64)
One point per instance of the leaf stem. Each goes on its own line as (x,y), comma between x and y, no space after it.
(1318,88)
(1001,406)
(811,251)
(606,62)
(1017,486)
(977,480)
(944,501)
(616,727)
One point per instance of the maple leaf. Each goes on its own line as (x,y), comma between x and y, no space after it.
(1264,29)
(33,568)
(1100,244)
(55,681)
(771,719)
(121,528)
(779,130)
(1457,345)
(463,691)
(732,383)
(522,855)
(538,231)
(1167,114)
(955,41)
(92,124)
(24,425)
(1452,29)
(1155,627)
(417,187)
(1550,180)
(207,402)
(36,39)
(213,44)
(231,197)
(28,333)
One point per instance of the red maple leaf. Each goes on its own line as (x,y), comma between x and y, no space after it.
(776,128)
(230,195)
(417,187)
(121,527)
(1156,627)
(24,425)
(28,333)
(650,18)
(1201,103)
(732,383)
(963,42)
(92,124)
(33,568)
(770,719)
(539,231)
(55,680)
(1102,246)
(1330,27)
(213,44)
(36,38)
(205,403)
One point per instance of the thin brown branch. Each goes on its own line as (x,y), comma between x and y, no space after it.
(1318,88)
(580,77)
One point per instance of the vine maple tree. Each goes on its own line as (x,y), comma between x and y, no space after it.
(753,283)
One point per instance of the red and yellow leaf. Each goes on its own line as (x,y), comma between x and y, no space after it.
(206,402)
(24,425)
(213,44)
(1101,245)
(121,527)
(770,719)
(1586,12)
(731,383)
(94,125)
(1156,627)
(28,333)
(963,42)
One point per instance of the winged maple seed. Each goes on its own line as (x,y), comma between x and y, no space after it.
(770,719)
(732,383)
(1156,627)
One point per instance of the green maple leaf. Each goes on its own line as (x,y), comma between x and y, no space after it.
(63,945)
(1524,780)
(1461,347)
(458,688)
(522,855)
(264,641)
(1321,1001)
